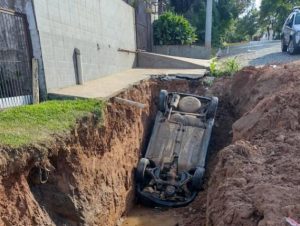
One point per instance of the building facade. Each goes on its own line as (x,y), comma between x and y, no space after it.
(103,31)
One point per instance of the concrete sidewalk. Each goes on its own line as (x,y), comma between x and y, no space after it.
(109,86)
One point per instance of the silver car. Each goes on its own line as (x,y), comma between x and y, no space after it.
(172,169)
(290,36)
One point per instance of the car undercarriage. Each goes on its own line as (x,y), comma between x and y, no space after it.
(172,169)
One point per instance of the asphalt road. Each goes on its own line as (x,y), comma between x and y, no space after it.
(259,53)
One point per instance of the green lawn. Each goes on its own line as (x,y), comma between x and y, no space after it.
(34,123)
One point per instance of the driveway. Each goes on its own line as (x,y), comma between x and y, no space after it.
(259,53)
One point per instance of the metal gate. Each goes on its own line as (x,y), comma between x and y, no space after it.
(143,26)
(15,60)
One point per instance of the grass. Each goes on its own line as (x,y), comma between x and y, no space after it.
(34,123)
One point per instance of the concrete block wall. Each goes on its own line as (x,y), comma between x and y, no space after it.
(190,51)
(98,28)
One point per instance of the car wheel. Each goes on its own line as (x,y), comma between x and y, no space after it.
(283,46)
(162,100)
(141,168)
(291,47)
(212,108)
(197,179)
(189,104)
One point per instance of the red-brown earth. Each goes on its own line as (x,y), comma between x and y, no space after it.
(253,166)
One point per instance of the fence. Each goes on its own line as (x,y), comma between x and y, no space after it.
(15,60)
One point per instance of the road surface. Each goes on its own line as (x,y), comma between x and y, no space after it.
(259,53)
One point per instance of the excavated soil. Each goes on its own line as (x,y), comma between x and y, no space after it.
(255,180)
(253,166)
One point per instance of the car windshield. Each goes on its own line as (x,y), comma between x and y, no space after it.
(297,19)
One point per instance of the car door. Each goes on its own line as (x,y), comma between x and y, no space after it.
(289,28)
(285,30)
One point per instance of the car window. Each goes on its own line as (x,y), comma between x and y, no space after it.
(287,22)
(290,24)
(297,18)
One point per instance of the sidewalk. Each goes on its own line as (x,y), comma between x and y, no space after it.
(111,85)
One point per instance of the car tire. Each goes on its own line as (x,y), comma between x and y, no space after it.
(163,94)
(189,104)
(197,180)
(141,168)
(283,46)
(291,47)
(212,108)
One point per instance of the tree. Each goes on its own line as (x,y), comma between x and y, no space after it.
(274,12)
(181,6)
(225,12)
(249,24)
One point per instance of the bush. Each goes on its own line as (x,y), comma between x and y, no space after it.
(172,29)
(213,68)
(226,68)
(231,66)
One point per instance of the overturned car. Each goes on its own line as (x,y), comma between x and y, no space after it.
(172,169)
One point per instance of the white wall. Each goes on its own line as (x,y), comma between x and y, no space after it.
(96,27)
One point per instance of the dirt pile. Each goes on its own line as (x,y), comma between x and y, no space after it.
(256,179)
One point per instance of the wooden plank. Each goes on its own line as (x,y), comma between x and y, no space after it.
(35,82)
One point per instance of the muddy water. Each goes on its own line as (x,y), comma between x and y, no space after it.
(142,216)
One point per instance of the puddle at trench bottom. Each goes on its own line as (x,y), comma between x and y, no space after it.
(142,216)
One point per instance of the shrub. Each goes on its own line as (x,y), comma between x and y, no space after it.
(225,68)
(213,67)
(231,66)
(173,29)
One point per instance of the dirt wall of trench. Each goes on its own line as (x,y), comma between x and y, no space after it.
(92,177)
(255,180)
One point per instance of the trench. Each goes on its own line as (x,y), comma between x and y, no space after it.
(92,181)
(195,212)
(252,181)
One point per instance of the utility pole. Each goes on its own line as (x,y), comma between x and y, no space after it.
(208,26)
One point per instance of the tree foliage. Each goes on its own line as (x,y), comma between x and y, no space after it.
(274,12)
(228,24)
(225,13)
(173,29)
(181,6)
(249,24)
